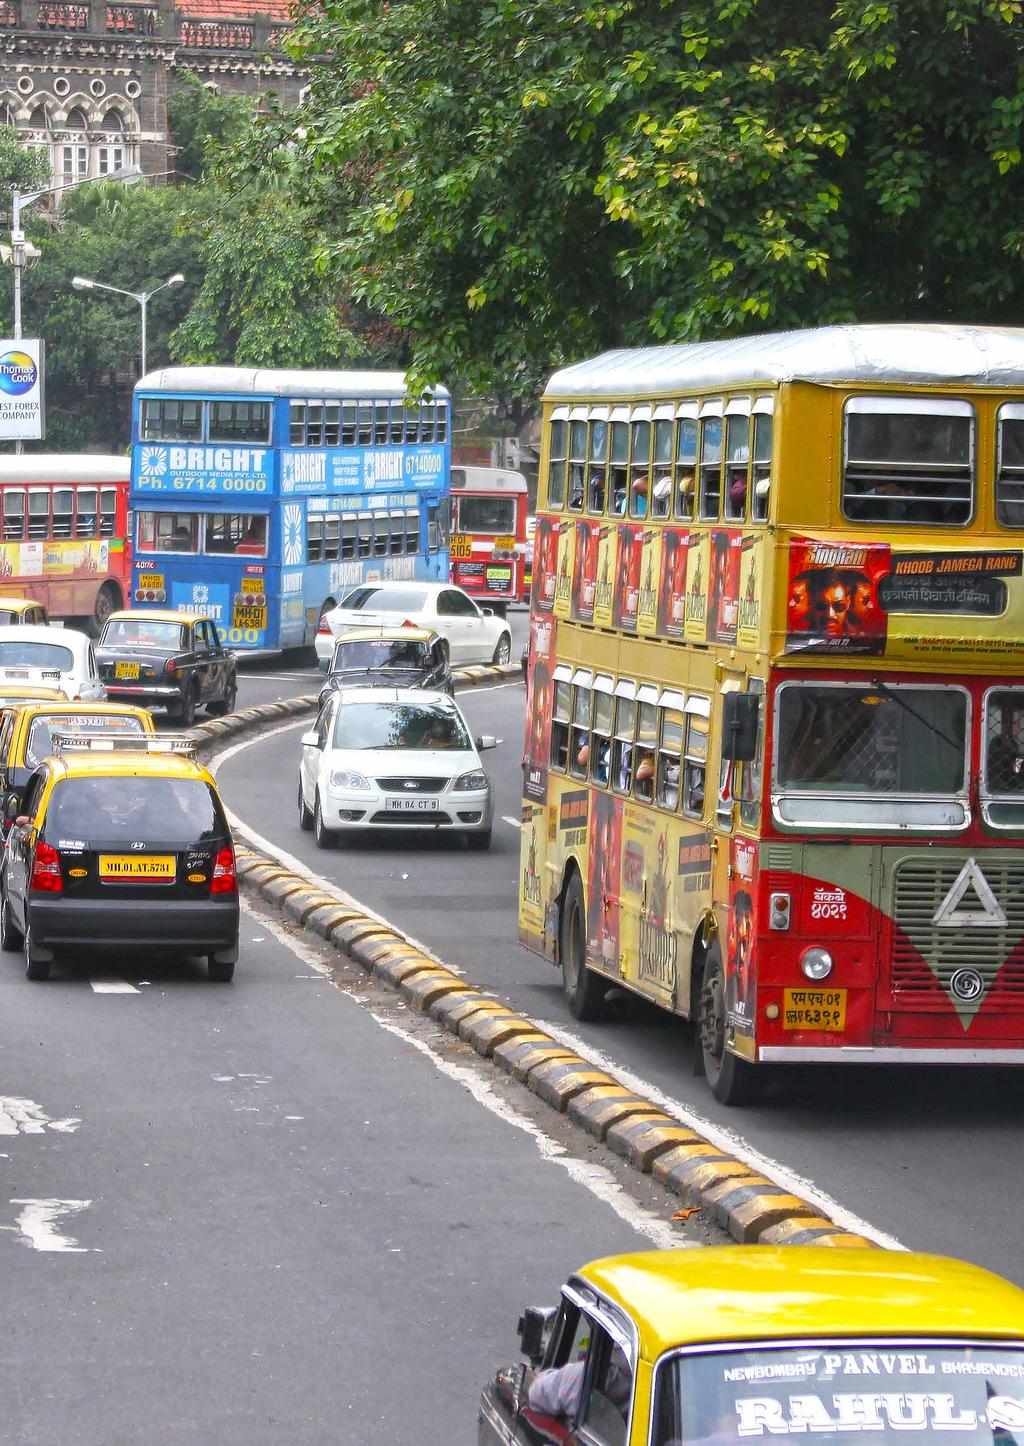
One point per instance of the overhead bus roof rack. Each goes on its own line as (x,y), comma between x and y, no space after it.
(181,744)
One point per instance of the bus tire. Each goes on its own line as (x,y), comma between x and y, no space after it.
(733,1081)
(108,600)
(584,990)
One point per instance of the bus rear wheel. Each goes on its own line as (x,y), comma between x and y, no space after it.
(733,1080)
(108,600)
(584,990)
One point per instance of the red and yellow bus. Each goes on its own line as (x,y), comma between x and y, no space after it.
(488,541)
(63,533)
(774,773)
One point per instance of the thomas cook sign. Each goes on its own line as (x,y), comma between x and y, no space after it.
(21,391)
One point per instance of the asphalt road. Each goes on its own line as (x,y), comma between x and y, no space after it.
(930,1158)
(271,1212)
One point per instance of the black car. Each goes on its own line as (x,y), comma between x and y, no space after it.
(393,657)
(167,660)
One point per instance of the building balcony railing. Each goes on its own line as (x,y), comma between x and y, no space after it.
(62,16)
(10,15)
(133,19)
(216,35)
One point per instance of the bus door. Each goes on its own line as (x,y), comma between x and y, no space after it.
(734,866)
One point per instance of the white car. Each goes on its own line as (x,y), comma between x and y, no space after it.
(58,657)
(473,634)
(401,758)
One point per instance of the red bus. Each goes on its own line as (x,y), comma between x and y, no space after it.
(488,542)
(64,533)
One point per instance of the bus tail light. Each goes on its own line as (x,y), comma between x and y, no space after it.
(225,880)
(779,912)
(46,870)
(816,963)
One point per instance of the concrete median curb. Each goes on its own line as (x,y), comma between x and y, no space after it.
(751,1207)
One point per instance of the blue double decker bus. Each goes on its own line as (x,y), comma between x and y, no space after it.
(261,497)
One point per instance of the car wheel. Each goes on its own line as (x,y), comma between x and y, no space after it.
(220,972)
(584,989)
(503,651)
(324,837)
(226,704)
(35,968)
(733,1080)
(11,938)
(184,713)
(305,817)
(480,841)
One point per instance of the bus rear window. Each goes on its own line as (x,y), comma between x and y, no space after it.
(908,460)
(243,533)
(168,532)
(492,515)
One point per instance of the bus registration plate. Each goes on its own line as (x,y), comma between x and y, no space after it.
(821,1009)
(249,617)
(138,868)
(504,544)
(461,545)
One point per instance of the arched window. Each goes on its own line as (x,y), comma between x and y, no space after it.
(113,150)
(38,120)
(113,120)
(74,153)
(76,120)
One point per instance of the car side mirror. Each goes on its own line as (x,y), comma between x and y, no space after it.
(487,612)
(535,1330)
(310,740)
(739,726)
(486,741)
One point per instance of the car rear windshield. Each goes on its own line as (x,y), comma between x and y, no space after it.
(17,654)
(160,811)
(385,599)
(381,653)
(9,619)
(915,1394)
(141,633)
(39,744)
(398,725)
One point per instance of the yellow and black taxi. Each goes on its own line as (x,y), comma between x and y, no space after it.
(172,660)
(16,611)
(757,1346)
(393,657)
(13,695)
(27,731)
(122,844)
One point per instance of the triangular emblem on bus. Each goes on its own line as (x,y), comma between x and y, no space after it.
(959,910)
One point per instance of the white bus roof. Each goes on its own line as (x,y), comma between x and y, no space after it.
(64,467)
(902,355)
(273,381)
(487,479)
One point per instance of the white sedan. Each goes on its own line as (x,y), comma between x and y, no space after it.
(473,634)
(58,657)
(383,758)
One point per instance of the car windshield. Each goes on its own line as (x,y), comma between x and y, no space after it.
(17,654)
(384,600)
(142,633)
(914,1394)
(39,744)
(162,811)
(380,653)
(9,618)
(399,725)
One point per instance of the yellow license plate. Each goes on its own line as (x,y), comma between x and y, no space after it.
(505,543)
(153,580)
(243,617)
(148,868)
(252,585)
(126,670)
(822,1009)
(462,545)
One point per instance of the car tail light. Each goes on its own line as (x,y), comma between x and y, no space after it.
(46,870)
(170,666)
(324,630)
(225,880)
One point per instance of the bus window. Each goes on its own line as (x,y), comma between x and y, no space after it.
(381,428)
(108,511)
(442,421)
(171,419)
(1010,466)
(710,467)
(364,524)
(168,531)
(412,533)
(661,488)
(493,515)
(397,535)
(695,757)
(38,513)
(348,538)
(646,745)
(1002,779)
(560,726)
(348,424)
(737,464)
(332,539)
(380,534)
(85,521)
(297,424)
(63,513)
(639,468)
(556,463)
(617,470)
(597,471)
(239,422)
(762,468)
(364,424)
(332,424)
(579,744)
(314,539)
(622,746)
(236,532)
(670,754)
(686,464)
(427,422)
(601,736)
(314,424)
(908,460)
(749,787)
(577,464)
(412,423)
(14,515)
(396,428)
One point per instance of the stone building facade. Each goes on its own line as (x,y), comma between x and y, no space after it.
(86,81)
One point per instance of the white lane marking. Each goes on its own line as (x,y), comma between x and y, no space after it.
(515,822)
(25,1117)
(593,1177)
(726,1139)
(111,984)
(311,677)
(37,1227)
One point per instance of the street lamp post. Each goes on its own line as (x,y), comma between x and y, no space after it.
(82,283)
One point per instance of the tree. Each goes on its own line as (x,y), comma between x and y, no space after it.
(20,168)
(515,184)
(200,121)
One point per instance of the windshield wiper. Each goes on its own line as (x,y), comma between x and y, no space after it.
(902,703)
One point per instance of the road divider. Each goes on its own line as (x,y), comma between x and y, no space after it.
(749,1205)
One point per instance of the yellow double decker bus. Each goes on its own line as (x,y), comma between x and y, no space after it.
(774,765)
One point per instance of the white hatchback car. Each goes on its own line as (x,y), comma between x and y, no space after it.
(473,634)
(394,758)
(59,657)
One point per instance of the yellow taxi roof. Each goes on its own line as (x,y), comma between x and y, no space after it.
(18,604)
(157,615)
(25,693)
(90,710)
(111,764)
(742,1293)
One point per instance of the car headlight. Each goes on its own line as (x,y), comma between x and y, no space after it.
(471,781)
(816,963)
(348,781)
